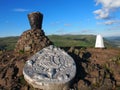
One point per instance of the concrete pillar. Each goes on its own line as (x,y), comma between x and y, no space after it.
(99,42)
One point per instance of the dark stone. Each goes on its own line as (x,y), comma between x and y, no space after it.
(35,20)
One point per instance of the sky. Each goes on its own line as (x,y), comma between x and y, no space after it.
(62,16)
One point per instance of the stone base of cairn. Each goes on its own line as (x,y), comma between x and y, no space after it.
(32,41)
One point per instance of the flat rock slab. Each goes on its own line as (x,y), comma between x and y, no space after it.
(50,69)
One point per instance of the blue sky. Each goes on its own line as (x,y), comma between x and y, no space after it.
(62,16)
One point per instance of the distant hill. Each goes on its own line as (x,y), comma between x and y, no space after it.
(72,40)
(76,40)
(8,43)
(115,40)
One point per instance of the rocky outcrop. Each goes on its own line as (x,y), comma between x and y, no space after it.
(34,39)
(93,71)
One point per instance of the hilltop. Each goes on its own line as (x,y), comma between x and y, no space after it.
(96,68)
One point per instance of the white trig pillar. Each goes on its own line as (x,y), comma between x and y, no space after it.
(99,42)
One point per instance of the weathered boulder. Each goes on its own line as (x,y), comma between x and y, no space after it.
(50,69)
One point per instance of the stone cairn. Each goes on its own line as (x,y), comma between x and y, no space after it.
(50,69)
(34,39)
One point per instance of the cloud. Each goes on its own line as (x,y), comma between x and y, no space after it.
(85,31)
(55,23)
(60,31)
(20,10)
(102,14)
(109,22)
(109,3)
(114,28)
(60,23)
(108,6)
(67,24)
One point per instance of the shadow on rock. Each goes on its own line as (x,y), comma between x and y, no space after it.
(80,70)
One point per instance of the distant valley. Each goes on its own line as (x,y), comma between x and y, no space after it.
(115,40)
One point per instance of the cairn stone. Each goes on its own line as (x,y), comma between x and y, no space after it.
(50,69)
(34,39)
(35,20)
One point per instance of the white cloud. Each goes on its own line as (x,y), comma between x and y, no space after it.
(108,6)
(85,31)
(67,24)
(109,3)
(102,13)
(20,10)
(114,28)
(109,22)
(55,23)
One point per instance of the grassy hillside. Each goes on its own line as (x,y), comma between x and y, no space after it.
(76,40)
(8,43)
(73,40)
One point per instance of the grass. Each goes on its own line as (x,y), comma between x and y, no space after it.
(73,40)
(22,80)
(8,43)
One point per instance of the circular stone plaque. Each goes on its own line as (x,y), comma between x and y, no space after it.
(50,69)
